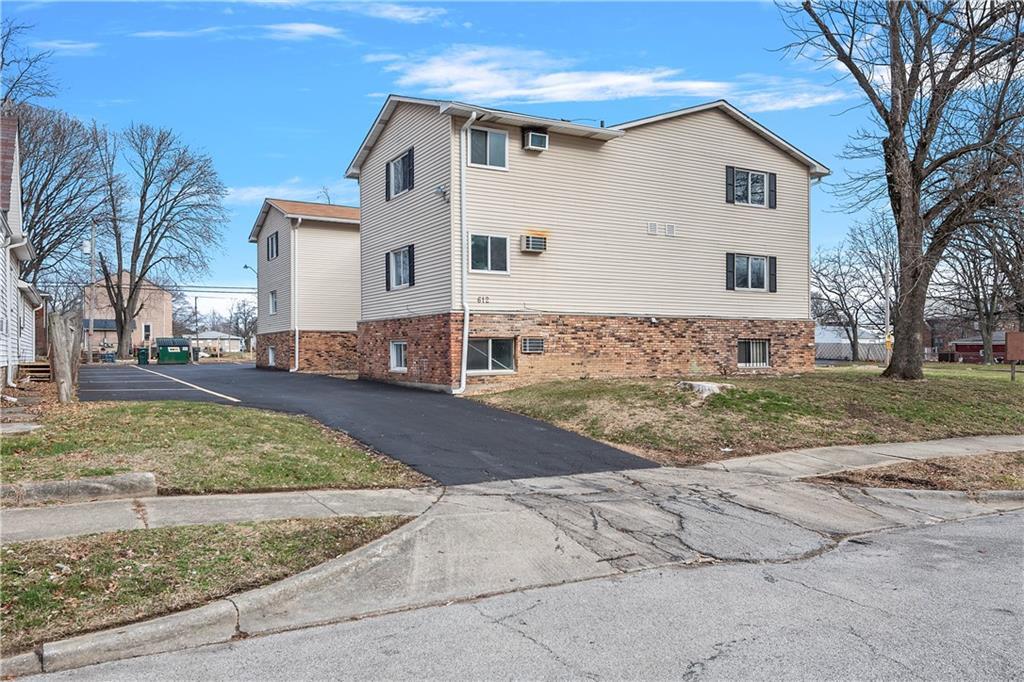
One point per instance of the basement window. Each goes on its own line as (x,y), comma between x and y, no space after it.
(399,359)
(752,353)
(491,356)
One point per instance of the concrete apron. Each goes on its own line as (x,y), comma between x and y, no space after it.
(486,539)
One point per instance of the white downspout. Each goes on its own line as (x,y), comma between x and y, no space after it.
(9,245)
(463,240)
(295,291)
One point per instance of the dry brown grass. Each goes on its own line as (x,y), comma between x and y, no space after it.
(1003,471)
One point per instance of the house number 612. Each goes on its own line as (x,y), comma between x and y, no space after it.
(483,299)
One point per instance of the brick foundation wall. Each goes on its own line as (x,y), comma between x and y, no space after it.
(326,352)
(434,345)
(579,346)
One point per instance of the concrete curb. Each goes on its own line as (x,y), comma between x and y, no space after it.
(211,623)
(139,484)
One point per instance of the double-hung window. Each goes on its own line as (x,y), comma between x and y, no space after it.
(272,246)
(753,353)
(488,148)
(491,355)
(399,268)
(399,362)
(488,254)
(750,187)
(272,303)
(750,271)
(400,174)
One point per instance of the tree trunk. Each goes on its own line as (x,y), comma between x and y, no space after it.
(855,345)
(62,343)
(986,344)
(124,342)
(908,343)
(76,346)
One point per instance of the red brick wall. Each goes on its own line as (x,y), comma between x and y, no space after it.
(319,351)
(434,345)
(578,346)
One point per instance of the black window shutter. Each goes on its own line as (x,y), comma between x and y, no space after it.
(387,182)
(771,190)
(412,265)
(772,286)
(387,272)
(730,179)
(730,271)
(408,171)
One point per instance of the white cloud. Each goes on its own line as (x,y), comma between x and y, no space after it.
(407,14)
(488,74)
(301,31)
(381,57)
(342,192)
(66,48)
(491,74)
(179,34)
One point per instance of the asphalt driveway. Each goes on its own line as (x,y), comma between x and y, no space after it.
(452,440)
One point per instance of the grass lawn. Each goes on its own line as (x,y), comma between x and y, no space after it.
(59,588)
(196,448)
(767,414)
(1003,471)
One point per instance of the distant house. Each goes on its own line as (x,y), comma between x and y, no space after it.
(18,299)
(152,322)
(971,348)
(219,342)
(832,343)
(307,278)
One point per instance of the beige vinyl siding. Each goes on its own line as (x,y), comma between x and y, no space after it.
(274,275)
(419,216)
(594,200)
(328,276)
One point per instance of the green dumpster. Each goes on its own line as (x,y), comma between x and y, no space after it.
(143,356)
(172,351)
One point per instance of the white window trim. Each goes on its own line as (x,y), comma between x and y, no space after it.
(392,269)
(736,202)
(488,271)
(756,365)
(272,302)
(277,245)
(490,356)
(469,152)
(391,175)
(391,357)
(749,255)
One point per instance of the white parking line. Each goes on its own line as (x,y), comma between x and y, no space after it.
(198,388)
(129,390)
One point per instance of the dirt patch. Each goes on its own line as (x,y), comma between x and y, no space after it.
(1003,471)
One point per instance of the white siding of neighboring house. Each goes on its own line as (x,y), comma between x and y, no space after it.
(595,199)
(419,216)
(26,331)
(328,276)
(8,304)
(274,275)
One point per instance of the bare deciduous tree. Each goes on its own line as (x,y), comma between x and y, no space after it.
(162,213)
(242,318)
(943,86)
(61,183)
(839,293)
(25,74)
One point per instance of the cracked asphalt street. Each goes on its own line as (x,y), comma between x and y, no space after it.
(942,601)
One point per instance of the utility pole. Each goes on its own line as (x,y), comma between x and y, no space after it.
(92,293)
(195,328)
(888,343)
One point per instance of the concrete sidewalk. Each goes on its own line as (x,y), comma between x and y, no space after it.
(794,464)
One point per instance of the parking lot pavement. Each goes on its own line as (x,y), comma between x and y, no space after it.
(452,440)
(131,382)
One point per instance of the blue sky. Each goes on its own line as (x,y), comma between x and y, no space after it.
(280,93)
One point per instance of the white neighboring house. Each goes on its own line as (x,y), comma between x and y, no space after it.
(18,299)
(307,280)
(218,342)
(832,343)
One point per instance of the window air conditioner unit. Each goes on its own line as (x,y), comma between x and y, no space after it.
(532,244)
(533,345)
(535,140)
